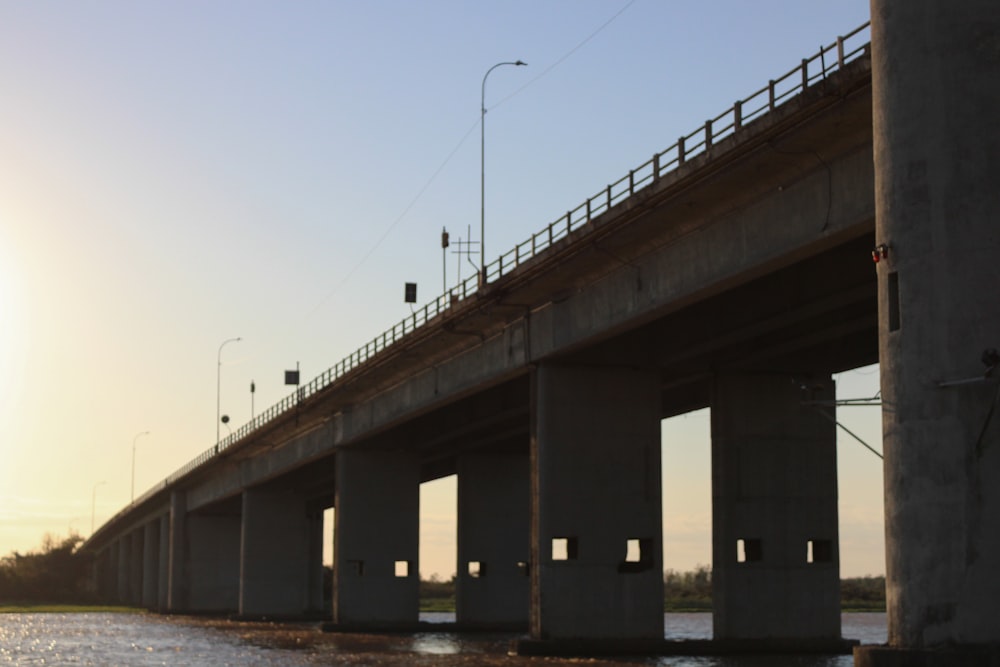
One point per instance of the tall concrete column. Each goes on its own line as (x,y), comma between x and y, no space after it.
(274,558)
(135,568)
(315,530)
(163,574)
(376,538)
(212,562)
(177,586)
(151,564)
(124,568)
(493,539)
(775,552)
(596,535)
(937,165)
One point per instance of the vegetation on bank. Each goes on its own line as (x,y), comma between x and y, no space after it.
(58,573)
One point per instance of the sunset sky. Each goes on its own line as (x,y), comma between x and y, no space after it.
(175,174)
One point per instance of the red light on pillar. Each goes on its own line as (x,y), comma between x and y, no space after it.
(880,252)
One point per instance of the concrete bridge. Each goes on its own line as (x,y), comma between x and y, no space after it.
(733,270)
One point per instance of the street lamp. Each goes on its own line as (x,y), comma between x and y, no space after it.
(93,504)
(482,173)
(218,389)
(137,436)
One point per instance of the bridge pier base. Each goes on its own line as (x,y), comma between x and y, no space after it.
(275,555)
(596,533)
(493,540)
(934,69)
(135,568)
(775,570)
(376,537)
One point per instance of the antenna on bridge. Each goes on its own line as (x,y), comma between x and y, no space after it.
(465,248)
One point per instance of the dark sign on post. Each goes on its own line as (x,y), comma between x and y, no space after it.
(411,292)
(292,377)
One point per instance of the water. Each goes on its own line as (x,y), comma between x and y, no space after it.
(148,639)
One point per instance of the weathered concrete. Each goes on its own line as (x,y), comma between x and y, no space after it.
(774,508)
(937,158)
(150,565)
(595,485)
(274,555)
(376,538)
(493,540)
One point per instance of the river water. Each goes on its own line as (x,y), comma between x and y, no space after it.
(150,639)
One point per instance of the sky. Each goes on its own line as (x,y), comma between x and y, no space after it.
(176,174)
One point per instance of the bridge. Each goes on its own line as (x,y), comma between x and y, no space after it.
(733,270)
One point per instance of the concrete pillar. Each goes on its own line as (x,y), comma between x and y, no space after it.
(935,105)
(111,593)
(135,568)
(274,557)
(775,551)
(494,533)
(105,573)
(124,564)
(163,573)
(315,553)
(150,564)
(177,586)
(596,534)
(376,538)
(212,562)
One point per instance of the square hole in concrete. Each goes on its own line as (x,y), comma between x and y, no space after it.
(402,568)
(477,569)
(819,551)
(748,550)
(563,548)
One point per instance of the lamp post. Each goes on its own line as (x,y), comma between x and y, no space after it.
(218,388)
(482,172)
(93,504)
(137,436)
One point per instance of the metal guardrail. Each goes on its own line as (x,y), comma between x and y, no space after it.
(828,59)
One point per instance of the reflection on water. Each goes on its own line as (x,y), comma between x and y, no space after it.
(140,639)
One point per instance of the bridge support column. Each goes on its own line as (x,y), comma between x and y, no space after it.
(123,564)
(104,573)
(596,532)
(316,591)
(775,551)
(493,540)
(177,586)
(376,537)
(163,570)
(212,562)
(935,104)
(275,558)
(150,564)
(135,572)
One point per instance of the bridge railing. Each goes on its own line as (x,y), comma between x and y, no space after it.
(810,70)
